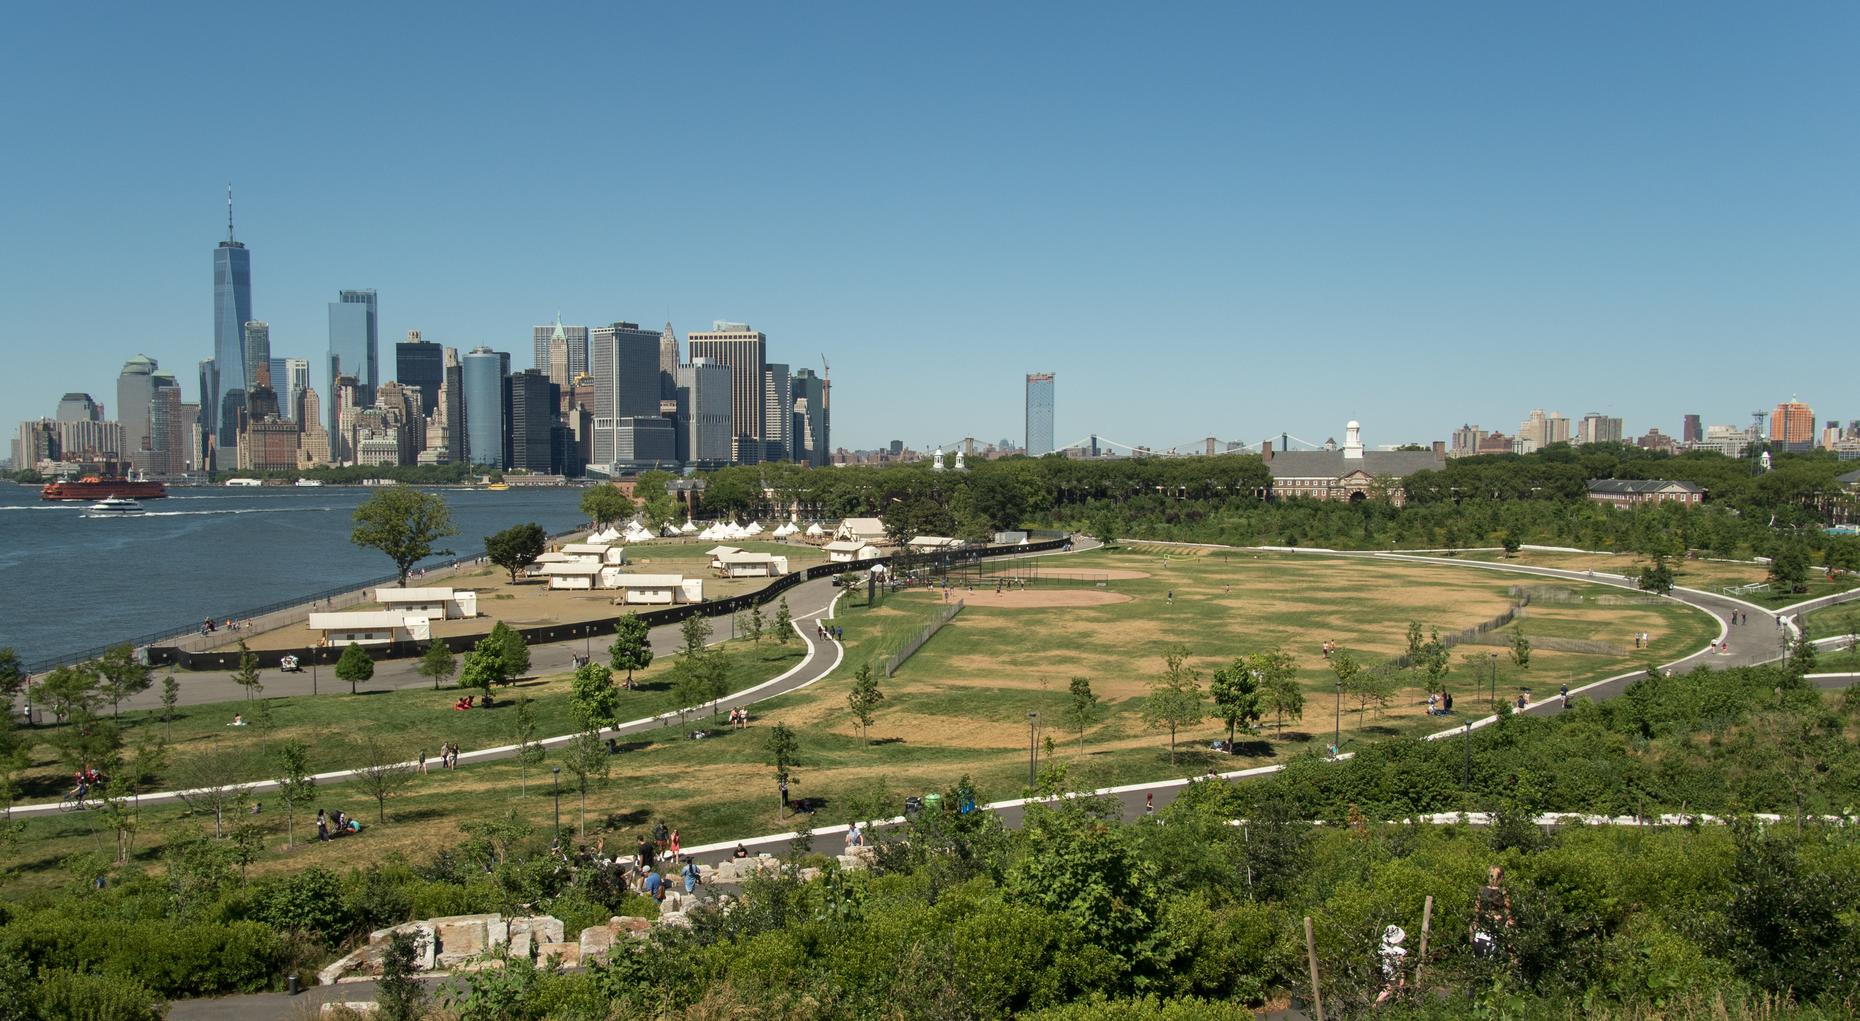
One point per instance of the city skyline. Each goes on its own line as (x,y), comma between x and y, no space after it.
(1420,207)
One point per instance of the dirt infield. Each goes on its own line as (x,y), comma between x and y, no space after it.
(1033,599)
(1108,574)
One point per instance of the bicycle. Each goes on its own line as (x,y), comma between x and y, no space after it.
(73,801)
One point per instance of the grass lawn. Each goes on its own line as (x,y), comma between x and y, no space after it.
(1706,575)
(337,725)
(1829,621)
(960,705)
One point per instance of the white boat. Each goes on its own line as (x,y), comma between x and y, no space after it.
(244,482)
(113,506)
(308,482)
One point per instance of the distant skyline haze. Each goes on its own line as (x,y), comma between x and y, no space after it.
(1205,219)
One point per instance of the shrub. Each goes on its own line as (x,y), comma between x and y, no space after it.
(310,901)
(69,994)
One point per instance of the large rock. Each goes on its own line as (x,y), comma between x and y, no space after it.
(596,940)
(463,937)
(523,945)
(675,918)
(568,955)
(540,928)
(630,924)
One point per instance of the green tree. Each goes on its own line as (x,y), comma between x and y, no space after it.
(585,758)
(1371,688)
(1093,876)
(604,505)
(657,505)
(1415,641)
(632,647)
(295,784)
(783,628)
(1657,577)
(69,689)
(593,698)
(1511,543)
(510,648)
(516,547)
(1082,709)
(399,996)
(205,783)
(1279,691)
(1520,649)
(1434,661)
(1344,664)
(482,667)
(864,698)
(695,631)
(1801,654)
(403,523)
(355,666)
(123,675)
(1789,568)
(1175,699)
(438,662)
(170,697)
(12,672)
(784,751)
(247,675)
(382,775)
(691,683)
(523,727)
(757,625)
(1235,692)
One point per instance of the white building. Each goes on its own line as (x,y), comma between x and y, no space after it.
(846,551)
(869,529)
(580,575)
(637,589)
(431,603)
(751,565)
(368,627)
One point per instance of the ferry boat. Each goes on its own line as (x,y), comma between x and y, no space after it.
(244,482)
(103,483)
(113,506)
(308,482)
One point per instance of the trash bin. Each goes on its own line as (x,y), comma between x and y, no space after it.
(933,803)
(291,985)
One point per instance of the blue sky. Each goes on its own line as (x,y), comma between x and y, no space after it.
(1226,219)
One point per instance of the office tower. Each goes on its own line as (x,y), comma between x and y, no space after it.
(76,407)
(232,309)
(1598,428)
(704,413)
(312,437)
(668,364)
(421,364)
(482,374)
(1792,426)
(810,418)
(232,415)
(135,388)
(534,398)
(88,439)
(170,429)
(261,402)
(1691,430)
(777,414)
(354,343)
(624,360)
(1466,441)
(574,340)
(452,405)
(1541,430)
(1039,413)
(257,355)
(290,377)
(745,352)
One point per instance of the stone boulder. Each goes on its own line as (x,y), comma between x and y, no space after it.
(568,955)
(540,928)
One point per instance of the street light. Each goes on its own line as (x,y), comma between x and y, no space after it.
(1032,721)
(556,778)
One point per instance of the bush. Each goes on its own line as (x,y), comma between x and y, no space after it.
(309,902)
(170,959)
(69,994)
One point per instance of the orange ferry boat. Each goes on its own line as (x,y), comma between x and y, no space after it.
(101,484)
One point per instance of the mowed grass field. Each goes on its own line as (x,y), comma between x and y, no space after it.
(960,706)
(1705,575)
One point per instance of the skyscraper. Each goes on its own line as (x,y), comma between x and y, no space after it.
(1595,427)
(482,374)
(257,355)
(135,389)
(1692,430)
(232,309)
(624,361)
(703,396)
(170,429)
(1792,426)
(534,400)
(777,414)
(77,407)
(668,364)
(354,345)
(745,352)
(290,377)
(574,338)
(420,364)
(1039,413)
(810,419)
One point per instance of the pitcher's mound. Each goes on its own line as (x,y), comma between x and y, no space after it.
(1029,599)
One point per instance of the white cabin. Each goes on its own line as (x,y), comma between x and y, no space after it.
(664,589)
(431,603)
(868,529)
(845,551)
(368,627)
(751,565)
(582,574)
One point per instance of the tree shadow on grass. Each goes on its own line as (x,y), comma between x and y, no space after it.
(1252,749)
(626,820)
(886,740)
(418,814)
(1379,729)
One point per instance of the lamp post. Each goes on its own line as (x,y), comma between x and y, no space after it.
(555,776)
(1032,721)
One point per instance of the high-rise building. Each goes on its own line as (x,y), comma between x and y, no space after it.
(534,401)
(574,341)
(745,352)
(704,410)
(1039,413)
(257,355)
(777,414)
(421,364)
(135,389)
(810,419)
(290,377)
(77,407)
(232,309)
(1792,426)
(624,361)
(1691,430)
(1541,430)
(668,365)
(170,440)
(482,373)
(1598,428)
(1466,441)
(312,437)
(354,344)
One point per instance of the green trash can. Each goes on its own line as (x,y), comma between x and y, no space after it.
(933,803)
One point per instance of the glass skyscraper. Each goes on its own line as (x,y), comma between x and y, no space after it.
(257,355)
(232,309)
(354,348)
(482,374)
(1039,413)
(421,364)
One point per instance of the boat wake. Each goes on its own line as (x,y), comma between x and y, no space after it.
(217,513)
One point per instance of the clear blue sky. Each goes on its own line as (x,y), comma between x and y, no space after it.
(1225,219)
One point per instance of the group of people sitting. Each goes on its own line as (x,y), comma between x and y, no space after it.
(330,825)
(471,702)
(1440,703)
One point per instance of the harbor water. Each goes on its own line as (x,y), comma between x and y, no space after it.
(71,581)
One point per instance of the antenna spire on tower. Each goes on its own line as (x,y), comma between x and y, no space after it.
(229,222)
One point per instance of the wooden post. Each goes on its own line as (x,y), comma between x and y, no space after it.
(1317,995)
(1420,958)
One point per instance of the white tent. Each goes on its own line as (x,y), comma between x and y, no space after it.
(606,535)
(814,530)
(785,530)
(753,528)
(688,527)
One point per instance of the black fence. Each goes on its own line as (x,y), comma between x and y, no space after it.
(169,656)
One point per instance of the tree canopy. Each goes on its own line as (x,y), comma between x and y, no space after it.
(403,523)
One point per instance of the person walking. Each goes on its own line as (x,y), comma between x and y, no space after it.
(1394,959)
(422,761)
(322,825)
